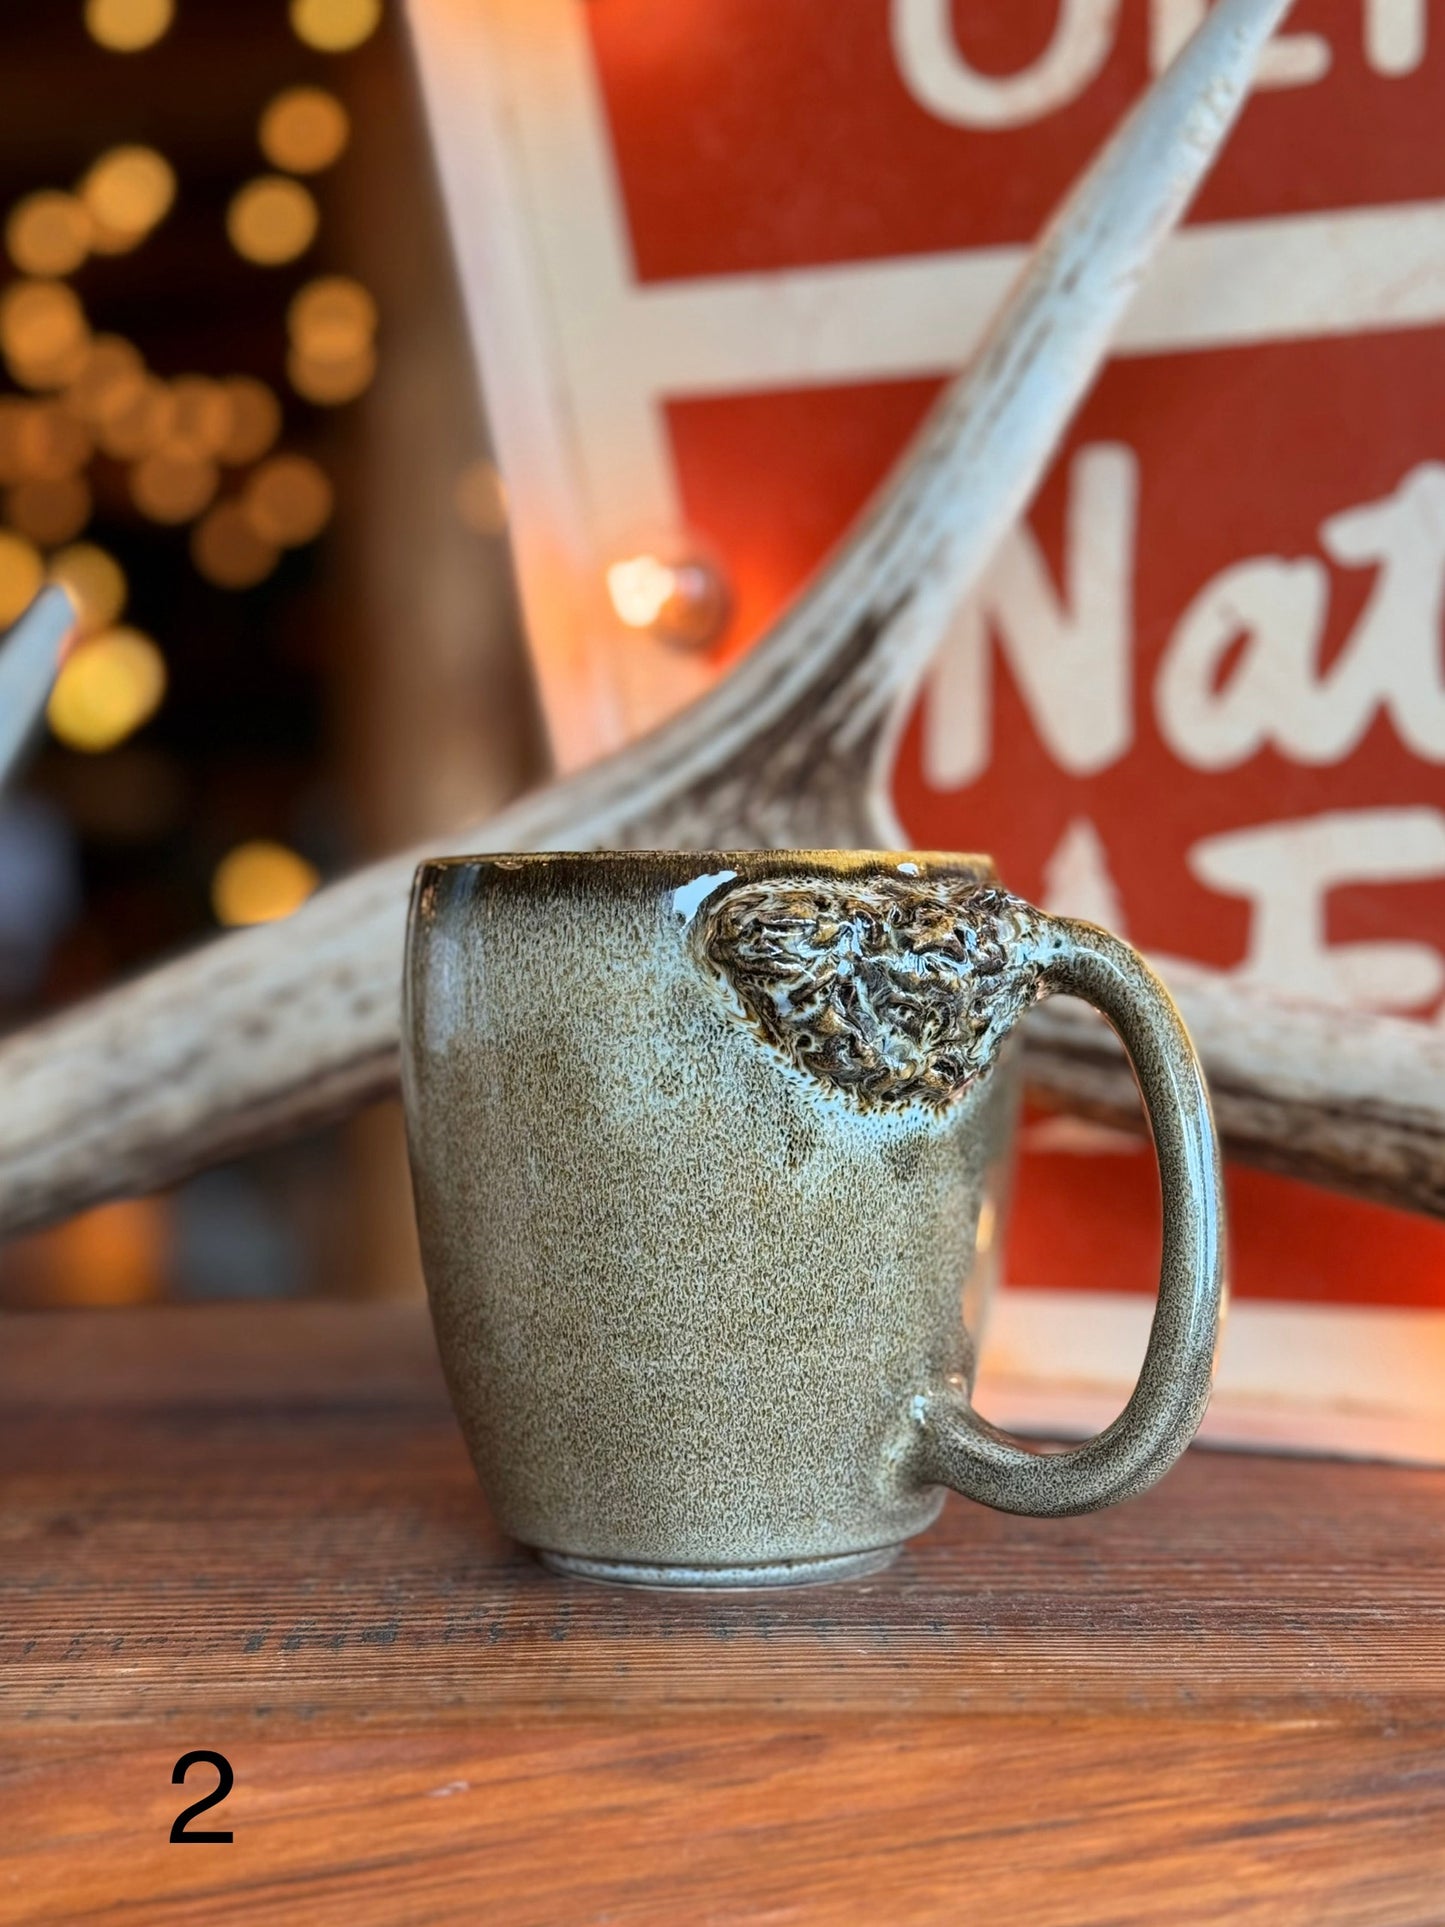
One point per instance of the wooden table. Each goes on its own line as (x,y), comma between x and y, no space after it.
(254,1530)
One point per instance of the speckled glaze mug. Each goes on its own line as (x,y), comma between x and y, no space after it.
(710,1153)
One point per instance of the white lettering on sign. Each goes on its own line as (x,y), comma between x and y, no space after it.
(1277,694)
(939,77)
(1287,870)
(1078,881)
(1393,655)
(1279,608)
(1241,671)
(1072,659)
(1395,35)
(937,73)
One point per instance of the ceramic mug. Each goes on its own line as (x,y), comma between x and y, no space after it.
(710,1155)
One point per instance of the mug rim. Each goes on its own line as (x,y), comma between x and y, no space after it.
(835,861)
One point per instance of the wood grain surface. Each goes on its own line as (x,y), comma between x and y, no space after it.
(255,1530)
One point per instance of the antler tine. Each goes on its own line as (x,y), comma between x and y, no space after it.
(29,662)
(279,1029)
(869,623)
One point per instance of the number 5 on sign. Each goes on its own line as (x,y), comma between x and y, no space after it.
(180,1828)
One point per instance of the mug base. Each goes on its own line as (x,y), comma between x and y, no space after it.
(786,1572)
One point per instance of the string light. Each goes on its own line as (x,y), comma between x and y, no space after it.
(106,690)
(113,374)
(228,550)
(41,322)
(328,382)
(288,500)
(172,486)
(136,419)
(127,26)
(48,233)
(49,512)
(331,317)
(253,420)
(260,882)
(127,192)
(49,372)
(304,130)
(200,416)
(96,583)
(331,321)
(679,597)
(21,574)
(51,443)
(641,586)
(173,436)
(480,499)
(334,26)
(272,220)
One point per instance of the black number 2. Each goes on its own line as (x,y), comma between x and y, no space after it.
(201,1756)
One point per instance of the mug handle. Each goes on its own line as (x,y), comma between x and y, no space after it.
(955,1446)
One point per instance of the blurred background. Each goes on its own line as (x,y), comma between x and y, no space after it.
(238,417)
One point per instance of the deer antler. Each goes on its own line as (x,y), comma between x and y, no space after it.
(286,1027)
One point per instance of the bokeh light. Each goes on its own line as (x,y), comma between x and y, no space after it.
(126,193)
(331,321)
(229,550)
(331,317)
(680,597)
(96,583)
(50,443)
(48,233)
(259,882)
(304,130)
(45,373)
(200,416)
(641,586)
(253,420)
(42,329)
(113,373)
(49,512)
(106,690)
(271,220)
(288,500)
(21,574)
(331,382)
(334,26)
(136,419)
(126,26)
(171,485)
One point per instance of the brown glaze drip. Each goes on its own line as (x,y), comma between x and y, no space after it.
(893,990)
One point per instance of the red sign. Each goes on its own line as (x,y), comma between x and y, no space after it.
(1202,695)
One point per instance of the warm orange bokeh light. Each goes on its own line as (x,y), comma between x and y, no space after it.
(271,220)
(261,882)
(229,551)
(288,500)
(127,26)
(48,233)
(304,130)
(96,583)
